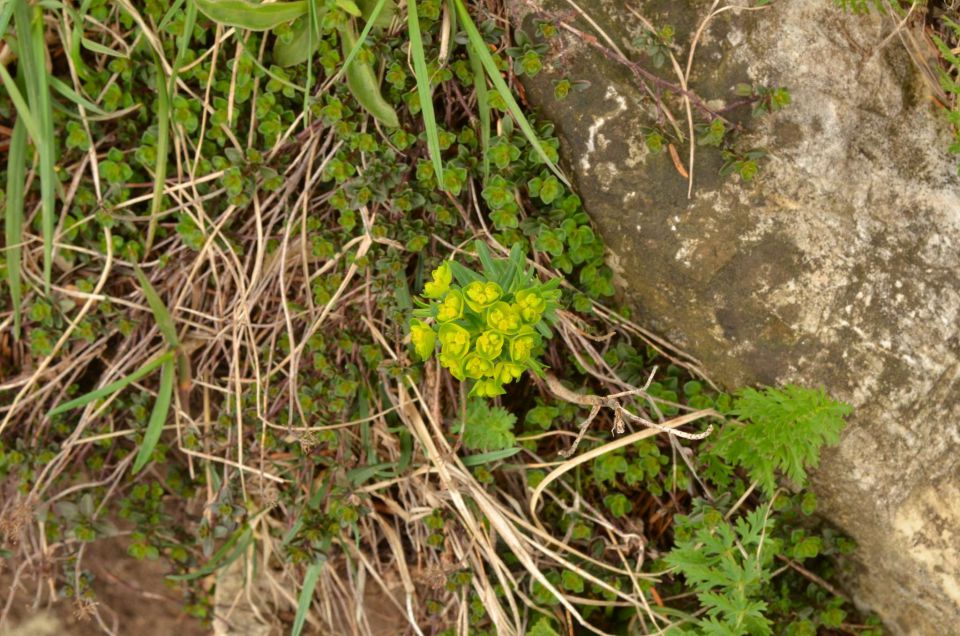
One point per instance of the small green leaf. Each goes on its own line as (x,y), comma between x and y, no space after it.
(572,581)
(542,628)
(618,505)
(808,548)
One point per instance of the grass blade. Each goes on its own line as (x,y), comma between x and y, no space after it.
(158,417)
(489,458)
(20,103)
(425,90)
(30,31)
(176,8)
(183,41)
(313,36)
(13,216)
(374,15)
(306,594)
(160,313)
(364,84)
(113,387)
(163,148)
(5,16)
(483,106)
(75,97)
(227,554)
(480,48)
(96,47)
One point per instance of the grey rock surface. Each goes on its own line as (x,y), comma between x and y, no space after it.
(837,266)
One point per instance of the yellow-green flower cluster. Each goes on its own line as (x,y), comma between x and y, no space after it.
(485,334)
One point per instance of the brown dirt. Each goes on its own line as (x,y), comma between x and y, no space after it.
(131,596)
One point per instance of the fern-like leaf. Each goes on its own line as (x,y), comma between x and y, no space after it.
(487,428)
(728,567)
(781,430)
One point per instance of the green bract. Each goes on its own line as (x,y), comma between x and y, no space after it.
(490,344)
(442,277)
(506,372)
(531,306)
(487,388)
(453,364)
(454,340)
(424,338)
(491,324)
(476,366)
(522,347)
(504,318)
(451,308)
(481,294)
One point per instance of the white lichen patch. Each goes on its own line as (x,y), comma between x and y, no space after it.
(598,123)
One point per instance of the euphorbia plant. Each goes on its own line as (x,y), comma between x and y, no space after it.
(490,326)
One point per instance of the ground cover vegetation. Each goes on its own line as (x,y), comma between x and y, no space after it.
(302,287)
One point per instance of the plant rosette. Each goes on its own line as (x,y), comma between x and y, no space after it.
(489,326)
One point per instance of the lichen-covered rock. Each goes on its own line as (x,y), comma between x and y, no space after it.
(836,266)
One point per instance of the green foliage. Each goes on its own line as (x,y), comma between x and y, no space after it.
(746,164)
(780,430)
(656,44)
(865,6)
(526,55)
(487,428)
(766,99)
(543,627)
(948,81)
(490,326)
(727,566)
(318,97)
(252,15)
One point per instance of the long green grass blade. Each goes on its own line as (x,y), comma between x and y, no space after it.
(20,103)
(5,14)
(489,458)
(425,90)
(113,387)
(480,48)
(160,313)
(163,149)
(313,35)
(158,417)
(175,9)
(306,595)
(183,42)
(75,97)
(483,106)
(33,56)
(96,47)
(13,215)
